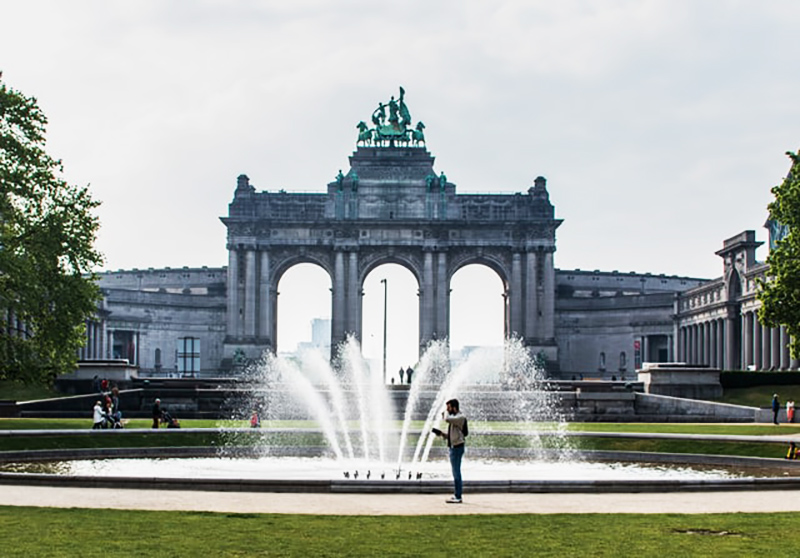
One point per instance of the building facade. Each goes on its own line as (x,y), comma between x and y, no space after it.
(391,206)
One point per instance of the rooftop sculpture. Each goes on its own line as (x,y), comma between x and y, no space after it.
(393,132)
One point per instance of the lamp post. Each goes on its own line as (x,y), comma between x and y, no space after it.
(385,298)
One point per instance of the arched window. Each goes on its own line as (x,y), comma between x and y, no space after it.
(623,361)
(602,362)
(158,359)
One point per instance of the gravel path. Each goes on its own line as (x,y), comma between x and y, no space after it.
(399,504)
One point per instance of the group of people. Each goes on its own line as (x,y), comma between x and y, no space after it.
(106,412)
(408,372)
(776,408)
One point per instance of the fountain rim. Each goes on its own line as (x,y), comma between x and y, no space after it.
(351,486)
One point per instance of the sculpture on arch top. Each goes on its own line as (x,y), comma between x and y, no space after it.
(394,131)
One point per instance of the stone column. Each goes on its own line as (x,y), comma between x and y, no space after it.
(531,297)
(353,297)
(731,349)
(689,355)
(645,349)
(766,355)
(339,315)
(265,322)
(775,348)
(704,343)
(720,326)
(748,339)
(671,348)
(250,293)
(714,338)
(516,294)
(757,353)
(136,345)
(442,298)
(233,291)
(104,340)
(784,348)
(548,307)
(427,314)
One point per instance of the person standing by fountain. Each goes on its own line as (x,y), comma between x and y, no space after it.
(456,438)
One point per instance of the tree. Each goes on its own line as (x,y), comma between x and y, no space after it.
(779,292)
(47,254)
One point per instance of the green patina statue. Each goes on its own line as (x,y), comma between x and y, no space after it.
(339,181)
(429,180)
(394,131)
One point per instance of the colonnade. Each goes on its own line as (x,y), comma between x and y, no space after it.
(95,346)
(741,342)
(765,348)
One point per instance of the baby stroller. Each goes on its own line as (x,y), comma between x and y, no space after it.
(169,420)
(113,420)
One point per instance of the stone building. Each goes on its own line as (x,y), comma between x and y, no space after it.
(716,323)
(391,206)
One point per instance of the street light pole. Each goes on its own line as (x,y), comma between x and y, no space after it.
(385,298)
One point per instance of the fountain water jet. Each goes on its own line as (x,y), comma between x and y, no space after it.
(493,382)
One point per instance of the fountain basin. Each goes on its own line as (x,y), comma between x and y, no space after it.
(603,472)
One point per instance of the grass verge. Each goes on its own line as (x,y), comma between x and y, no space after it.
(81,532)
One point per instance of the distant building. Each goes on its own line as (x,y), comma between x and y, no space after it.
(391,207)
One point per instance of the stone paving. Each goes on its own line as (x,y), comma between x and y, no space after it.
(400,504)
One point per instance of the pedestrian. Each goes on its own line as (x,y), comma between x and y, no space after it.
(457,431)
(776,407)
(790,411)
(791,453)
(255,421)
(156,413)
(98,417)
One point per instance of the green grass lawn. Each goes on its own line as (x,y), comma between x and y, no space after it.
(16,391)
(760,396)
(38,532)
(211,438)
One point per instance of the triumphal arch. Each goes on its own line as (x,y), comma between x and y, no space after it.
(390,206)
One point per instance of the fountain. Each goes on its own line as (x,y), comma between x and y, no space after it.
(340,428)
(352,408)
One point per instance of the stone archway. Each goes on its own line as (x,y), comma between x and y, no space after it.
(390,207)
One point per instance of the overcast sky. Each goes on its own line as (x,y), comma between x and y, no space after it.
(660,125)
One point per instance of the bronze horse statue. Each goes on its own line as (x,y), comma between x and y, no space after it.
(364,134)
(417,136)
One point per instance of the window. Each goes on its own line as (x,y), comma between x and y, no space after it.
(188,353)
(623,361)
(602,362)
(158,359)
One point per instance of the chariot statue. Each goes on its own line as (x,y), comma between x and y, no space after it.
(394,131)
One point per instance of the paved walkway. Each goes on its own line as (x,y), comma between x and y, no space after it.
(400,504)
